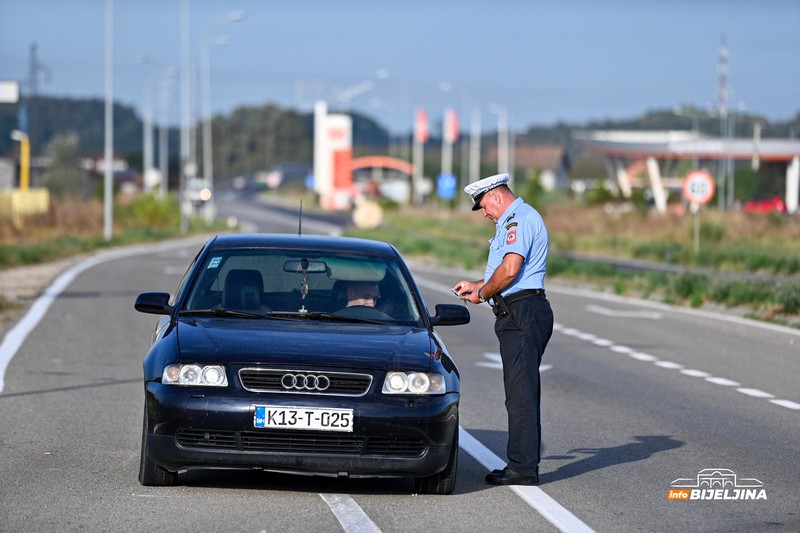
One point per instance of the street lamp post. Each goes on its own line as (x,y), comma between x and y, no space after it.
(108,193)
(147,128)
(502,138)
(186,170)
(208,159)
(164,100)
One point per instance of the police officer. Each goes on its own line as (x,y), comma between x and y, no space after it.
(513,284)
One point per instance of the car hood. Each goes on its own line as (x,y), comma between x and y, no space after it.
(304,342)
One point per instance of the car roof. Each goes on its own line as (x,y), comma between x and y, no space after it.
(302,242)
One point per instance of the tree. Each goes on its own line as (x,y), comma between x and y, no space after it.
(63,176)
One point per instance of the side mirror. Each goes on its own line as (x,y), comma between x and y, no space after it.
(450,315)
(155,303)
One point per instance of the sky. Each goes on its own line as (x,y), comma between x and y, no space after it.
(536,62)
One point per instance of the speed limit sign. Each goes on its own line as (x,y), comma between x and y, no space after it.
(698,187)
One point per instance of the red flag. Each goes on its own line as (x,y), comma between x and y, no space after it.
(450,126)
(421,126)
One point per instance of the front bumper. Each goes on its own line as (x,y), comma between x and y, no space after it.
(393,436)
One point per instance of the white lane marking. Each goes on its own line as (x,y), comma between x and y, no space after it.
(174,270)
(695,373)
(723,381)
(647,357)
(615,313)
(546,506)
(786,403)
(17,335)
(585,293)
(670,365)
(497,362)
(639,356)
(621,349)
(349,514)
(755,393)
(666,308)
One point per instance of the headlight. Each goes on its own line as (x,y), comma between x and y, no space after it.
(197,375)
(413,383)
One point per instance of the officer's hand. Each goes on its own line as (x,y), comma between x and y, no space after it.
(466,290)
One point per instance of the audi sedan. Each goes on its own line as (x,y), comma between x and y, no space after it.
(300,354)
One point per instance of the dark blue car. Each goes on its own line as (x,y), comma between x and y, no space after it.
(300,354)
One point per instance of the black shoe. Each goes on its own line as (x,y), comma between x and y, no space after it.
(507,476)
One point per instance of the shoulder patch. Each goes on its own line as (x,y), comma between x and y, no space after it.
(511,238)
(509,226)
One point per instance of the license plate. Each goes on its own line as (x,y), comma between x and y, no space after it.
(304,418)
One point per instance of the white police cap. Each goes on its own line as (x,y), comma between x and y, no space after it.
(480,187)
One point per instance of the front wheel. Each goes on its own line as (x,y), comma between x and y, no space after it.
(150,474)
(445,481)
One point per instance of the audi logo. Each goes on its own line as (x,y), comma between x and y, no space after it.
(305,382)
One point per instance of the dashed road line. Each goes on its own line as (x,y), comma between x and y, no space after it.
(671,365)
(495,361)
(546,506)
(786,403)
(349,514)
(614,313)
(16,336)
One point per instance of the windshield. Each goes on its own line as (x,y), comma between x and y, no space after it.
(302,285)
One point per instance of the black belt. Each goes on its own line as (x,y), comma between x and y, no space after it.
(513,297)
(502,302)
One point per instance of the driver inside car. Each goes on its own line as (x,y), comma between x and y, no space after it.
(362,293)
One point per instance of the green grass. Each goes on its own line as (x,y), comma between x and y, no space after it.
(145,219)
(731,245)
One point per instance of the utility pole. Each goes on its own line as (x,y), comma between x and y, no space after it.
(722,111)
(186,170)
(108,192)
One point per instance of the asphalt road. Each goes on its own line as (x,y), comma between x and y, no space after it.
(635,397)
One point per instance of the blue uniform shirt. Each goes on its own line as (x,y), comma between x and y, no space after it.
(520,230)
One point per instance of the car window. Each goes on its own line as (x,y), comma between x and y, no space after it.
(291,282)
(184,279)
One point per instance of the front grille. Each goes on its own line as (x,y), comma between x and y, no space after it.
(269,380)
(301,442)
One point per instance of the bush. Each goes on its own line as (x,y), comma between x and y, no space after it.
(743,293)
(787,295)
(669,252)
(711,232)
(149,211)
(690,286)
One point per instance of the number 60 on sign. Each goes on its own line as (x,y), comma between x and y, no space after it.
(698,187)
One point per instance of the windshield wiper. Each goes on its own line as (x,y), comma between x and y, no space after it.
(222,312)
(320,315)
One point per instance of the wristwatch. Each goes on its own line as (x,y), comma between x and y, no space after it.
(481,299)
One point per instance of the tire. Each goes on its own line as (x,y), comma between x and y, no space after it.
(150,474)
(445,481)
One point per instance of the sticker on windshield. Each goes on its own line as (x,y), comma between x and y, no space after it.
(214,263)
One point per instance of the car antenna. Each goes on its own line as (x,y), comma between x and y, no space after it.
(300,221)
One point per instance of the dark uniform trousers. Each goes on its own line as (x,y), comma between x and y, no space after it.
(523,334)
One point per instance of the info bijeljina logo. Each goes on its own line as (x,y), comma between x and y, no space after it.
(716,484)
